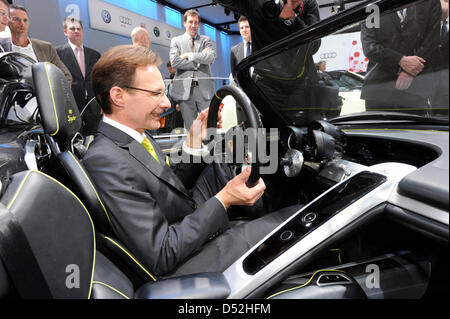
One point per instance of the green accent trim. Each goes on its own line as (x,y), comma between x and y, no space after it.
(305,284)
(90,183)
(18,190)
(91,139)
(87,213)
(132,258)
(339,254)
(53,99)
(112,288)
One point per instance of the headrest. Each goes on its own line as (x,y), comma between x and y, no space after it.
(58,229)
(57,106)
(16,66)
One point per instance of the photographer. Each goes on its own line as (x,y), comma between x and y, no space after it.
(287,85)
(271,20)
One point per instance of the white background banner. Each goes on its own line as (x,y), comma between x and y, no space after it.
(110,18)
(342,52)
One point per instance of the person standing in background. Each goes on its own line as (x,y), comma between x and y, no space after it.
(140,36)
(4,20)
(80,60)
(192,55)
(38,50)
(243,49)
(440,100)
(173,121)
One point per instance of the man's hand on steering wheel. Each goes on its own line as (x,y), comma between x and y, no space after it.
(236,192)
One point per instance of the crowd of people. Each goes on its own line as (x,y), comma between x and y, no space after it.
(174,217)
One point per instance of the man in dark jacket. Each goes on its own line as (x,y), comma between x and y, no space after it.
(400,73)
(80,60)
(288,85)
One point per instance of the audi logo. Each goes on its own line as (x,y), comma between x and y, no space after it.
(125,20)
(328,55)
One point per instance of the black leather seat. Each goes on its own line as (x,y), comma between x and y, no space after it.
(61,122)
(60,236)
(48,250)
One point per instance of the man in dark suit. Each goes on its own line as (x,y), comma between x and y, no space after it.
(440,100)
(80,60)
(170,216)
(38,50)
(400,51)
(242,49)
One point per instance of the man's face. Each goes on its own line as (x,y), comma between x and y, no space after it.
(74,33)
(19,22)
(191,24)
(143,109)
(244,29)
(4,16)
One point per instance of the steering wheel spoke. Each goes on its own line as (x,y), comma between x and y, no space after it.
(234,141)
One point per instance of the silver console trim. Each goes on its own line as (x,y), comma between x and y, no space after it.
(242,284)
(419,208)
(30,155)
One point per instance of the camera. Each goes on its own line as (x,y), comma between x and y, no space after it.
(271,9)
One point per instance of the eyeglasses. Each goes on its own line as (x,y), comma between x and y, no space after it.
(155,94)
(17,19)
(4,13)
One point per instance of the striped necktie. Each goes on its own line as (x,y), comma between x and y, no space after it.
(149,147)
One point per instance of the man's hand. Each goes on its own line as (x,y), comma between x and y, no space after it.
(288,9)
(412,64)
(206,50)
(404,81)
(198,130)
(237,193)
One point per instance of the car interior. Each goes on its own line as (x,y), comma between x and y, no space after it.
(373,225)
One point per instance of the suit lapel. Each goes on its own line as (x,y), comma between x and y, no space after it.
(136,150)
(241,51)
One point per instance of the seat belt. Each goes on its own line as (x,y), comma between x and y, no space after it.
(19,260)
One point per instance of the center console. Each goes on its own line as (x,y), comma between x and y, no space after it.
(329,215)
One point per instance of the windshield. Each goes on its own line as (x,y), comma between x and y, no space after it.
(389,62)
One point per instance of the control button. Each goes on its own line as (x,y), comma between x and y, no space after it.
(333,279)
(287,235)
(309,217)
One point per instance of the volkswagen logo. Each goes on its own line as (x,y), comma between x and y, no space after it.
(125,20)
(328,55)
(106,16)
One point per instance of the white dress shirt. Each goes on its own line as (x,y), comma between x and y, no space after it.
(28,50)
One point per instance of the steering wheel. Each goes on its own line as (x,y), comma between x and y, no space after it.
(252,121)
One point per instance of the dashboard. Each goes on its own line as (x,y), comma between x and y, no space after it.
(339,154)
